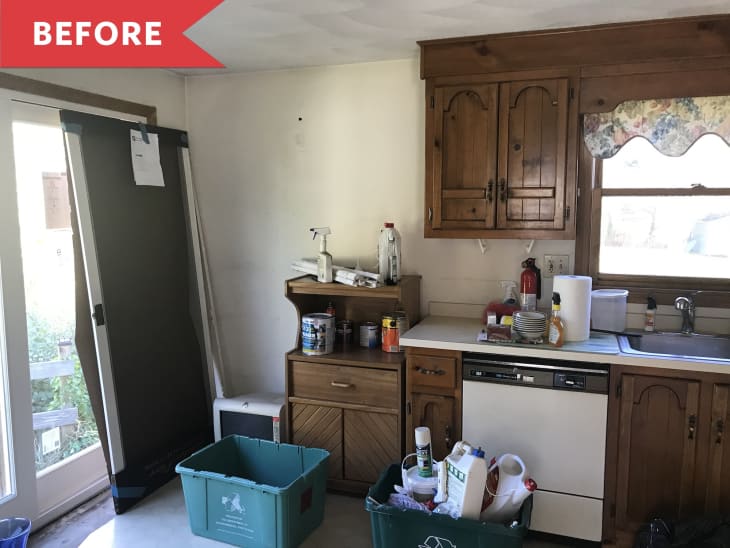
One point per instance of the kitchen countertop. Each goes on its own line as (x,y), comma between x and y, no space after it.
(452,333)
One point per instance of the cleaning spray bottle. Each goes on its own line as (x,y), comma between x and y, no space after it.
(324,261)
(496,309)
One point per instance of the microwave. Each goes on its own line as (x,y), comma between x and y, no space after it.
(259,415)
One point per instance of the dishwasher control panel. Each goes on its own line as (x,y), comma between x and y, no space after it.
(535,372)
(569,380)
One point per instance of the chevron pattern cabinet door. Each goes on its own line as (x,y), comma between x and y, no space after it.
(371,444)
(319,426)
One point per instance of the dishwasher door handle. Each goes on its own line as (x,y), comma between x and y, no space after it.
(471,362)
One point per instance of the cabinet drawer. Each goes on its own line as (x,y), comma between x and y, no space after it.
(340,383)
(432,371)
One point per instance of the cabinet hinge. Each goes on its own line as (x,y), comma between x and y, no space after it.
(433,101)
(430,215)
(571,94)
(408,408)
(618,390)
(567,213)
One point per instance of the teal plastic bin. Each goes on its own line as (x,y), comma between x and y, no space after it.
(396,528)
(255,493)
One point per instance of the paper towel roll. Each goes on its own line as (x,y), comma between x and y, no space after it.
(575,305)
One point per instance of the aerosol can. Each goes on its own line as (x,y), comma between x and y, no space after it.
(324,260)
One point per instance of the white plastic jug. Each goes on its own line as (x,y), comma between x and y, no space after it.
(513,486)
(389,254)
(467,476)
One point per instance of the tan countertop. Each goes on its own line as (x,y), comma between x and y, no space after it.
(451,333)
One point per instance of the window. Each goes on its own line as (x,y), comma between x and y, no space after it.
(661,199)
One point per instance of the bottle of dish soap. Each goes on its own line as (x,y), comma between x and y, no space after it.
(650,314)
(556,331)
(324,261)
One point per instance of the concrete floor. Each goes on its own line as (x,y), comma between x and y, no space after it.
(161,520)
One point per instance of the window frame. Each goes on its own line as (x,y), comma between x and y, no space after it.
(712,291)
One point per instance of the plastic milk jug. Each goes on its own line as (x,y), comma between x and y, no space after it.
(507,487)
(467,476)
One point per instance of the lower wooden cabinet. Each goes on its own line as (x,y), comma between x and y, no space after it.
(667,455)
(433,397)
(351,405)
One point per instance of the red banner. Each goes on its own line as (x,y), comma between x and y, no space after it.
(102,33)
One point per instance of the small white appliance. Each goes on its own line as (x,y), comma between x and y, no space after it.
(259,415)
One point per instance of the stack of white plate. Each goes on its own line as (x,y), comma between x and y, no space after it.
(529,325)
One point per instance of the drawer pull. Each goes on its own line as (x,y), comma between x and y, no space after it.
(341,384)
(424,371)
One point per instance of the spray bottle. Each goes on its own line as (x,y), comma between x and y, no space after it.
(324,261)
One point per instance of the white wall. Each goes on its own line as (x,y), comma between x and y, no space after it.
(160,88)
(354,160)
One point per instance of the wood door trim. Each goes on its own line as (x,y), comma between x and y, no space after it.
(63,93)
(689,456)
(720,395)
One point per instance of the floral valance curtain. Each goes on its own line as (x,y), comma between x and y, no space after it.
(671,125)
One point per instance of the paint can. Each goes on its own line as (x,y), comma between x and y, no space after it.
(391,340)
(344,332)
(318,334)
(369,334)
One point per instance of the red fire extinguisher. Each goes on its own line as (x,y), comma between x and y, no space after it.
(530,283)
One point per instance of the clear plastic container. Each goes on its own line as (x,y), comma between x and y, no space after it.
(608,309)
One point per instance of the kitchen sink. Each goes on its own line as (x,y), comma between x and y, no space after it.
(677,345)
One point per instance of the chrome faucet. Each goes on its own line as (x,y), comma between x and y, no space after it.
(686,305)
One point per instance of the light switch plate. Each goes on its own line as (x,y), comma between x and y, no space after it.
(555,265)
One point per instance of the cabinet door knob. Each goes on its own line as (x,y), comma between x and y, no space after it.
(692,422)
(447,438)
(341,384)
(502,190)
(719,429)
(424,371)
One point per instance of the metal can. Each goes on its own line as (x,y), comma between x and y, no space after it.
(318,334)
(369,334)
(391,339)
(401,319)
(344,332)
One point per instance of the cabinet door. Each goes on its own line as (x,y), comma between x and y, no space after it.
(319,426)
(533,132)
(657,444)
(439,414)
(372,443)
(718,483)
(464,156)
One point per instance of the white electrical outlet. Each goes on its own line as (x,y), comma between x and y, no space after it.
(555,265)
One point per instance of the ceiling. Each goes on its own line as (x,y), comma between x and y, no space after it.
(251,35)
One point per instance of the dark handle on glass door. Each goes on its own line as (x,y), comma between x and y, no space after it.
(692,423)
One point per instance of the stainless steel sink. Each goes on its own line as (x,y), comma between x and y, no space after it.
(677,345)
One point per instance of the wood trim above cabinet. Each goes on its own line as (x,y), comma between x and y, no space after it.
(644,41)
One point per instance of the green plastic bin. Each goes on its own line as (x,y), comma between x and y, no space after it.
(255,493)
(397,528)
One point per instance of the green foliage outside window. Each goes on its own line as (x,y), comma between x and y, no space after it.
(59,392)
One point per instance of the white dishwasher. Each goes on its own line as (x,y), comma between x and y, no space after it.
(552,414)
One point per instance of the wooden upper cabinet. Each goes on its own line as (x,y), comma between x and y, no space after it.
(465,156)
(497,157)
(532,154)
